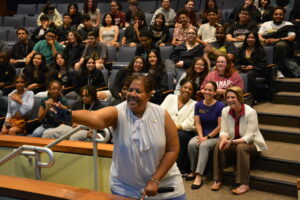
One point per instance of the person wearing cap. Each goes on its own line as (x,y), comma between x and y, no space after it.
(133,9)
(239,136)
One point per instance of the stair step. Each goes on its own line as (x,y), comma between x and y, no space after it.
(288,84)
(282,150)
(280,133)
(273,182)
(291,98)
(278,114)
(277,165)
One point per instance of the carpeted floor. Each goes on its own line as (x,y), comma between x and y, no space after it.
(204,193)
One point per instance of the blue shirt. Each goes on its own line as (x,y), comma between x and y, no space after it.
(209,115)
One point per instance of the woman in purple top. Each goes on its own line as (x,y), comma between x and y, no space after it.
(208,121)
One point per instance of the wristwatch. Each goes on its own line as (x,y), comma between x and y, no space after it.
(208,136)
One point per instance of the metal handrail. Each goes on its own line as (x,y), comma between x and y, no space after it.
(27,151)
(37,151)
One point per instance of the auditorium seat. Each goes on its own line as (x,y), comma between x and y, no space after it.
(125,55)
(30,21)
(112,54)
(148,17)
(3,34)
(28,9)
(12,36)
(62,7)
(166,51)
(13,21)
(148,6)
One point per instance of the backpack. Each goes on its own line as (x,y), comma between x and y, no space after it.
(292,67)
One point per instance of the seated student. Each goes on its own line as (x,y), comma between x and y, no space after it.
(180,31)
(40,31)
(239,137)
(159,31)
(137,65)
(207,31)
(253,12)
(265,8)
(86,27)
(74,48)
(51,12)
(96,49)
(218,48)
(181,109)
(62,72)
(90,8)
(36,73)
(20,103)
(184,53)
(252,60)
(146,45)
(157,73)
(208,122)
(132,33)
(75,14)
(280,34)
(189,7)
(65,28)
(109,33)
(88,101)
(117,14)
(168,13)
(209,5)
(48,47)
(197,71)
(7,74)
(237,31)
(225,75)
(89,74)
(46,117)
(133,9)
(21,48)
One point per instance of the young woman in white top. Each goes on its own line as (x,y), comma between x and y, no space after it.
(90,7)
(109,33)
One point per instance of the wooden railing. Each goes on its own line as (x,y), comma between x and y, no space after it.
(23,188)
(85,148)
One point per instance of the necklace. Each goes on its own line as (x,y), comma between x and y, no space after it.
(208,105)
(89,108)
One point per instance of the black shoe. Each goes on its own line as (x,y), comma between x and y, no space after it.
(195,187)
(190,178)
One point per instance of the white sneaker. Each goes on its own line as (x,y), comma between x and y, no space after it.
(279,74)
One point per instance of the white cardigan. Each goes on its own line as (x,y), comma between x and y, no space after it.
(249,130)
(184,116)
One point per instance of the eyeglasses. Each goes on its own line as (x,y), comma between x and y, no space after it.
(50,36)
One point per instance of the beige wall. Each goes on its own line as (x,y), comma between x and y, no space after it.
(70,169)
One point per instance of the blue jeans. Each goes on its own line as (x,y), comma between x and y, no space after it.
(38,132)
(181,197)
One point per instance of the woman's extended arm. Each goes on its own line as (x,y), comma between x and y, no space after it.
(98,119)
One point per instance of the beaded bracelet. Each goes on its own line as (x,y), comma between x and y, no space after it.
(154,180)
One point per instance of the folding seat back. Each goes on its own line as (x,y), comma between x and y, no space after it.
(13,21)
(28,9)
(166,52)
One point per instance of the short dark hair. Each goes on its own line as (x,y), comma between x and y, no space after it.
(86,17)
(140,15)
(92,33)
(51,30)
(23,29)
(48,6)
(44,18)
(146,33)
(118,4)
(182,12)
(147,81)
(244,9)
(214,10)
(279,8)
(67,14)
